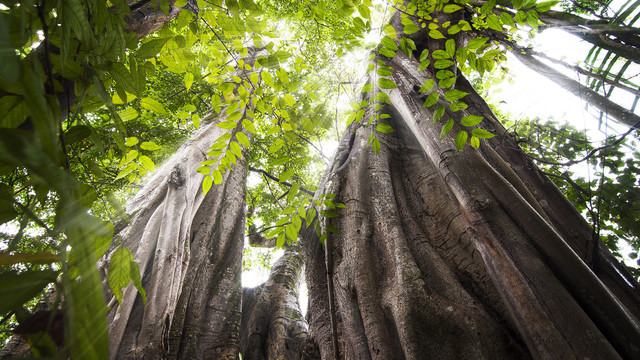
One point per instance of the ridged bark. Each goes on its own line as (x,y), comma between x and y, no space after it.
(272,325)
(189,249)
(450,255)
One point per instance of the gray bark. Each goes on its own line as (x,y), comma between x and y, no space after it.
(189,249)
(445,254)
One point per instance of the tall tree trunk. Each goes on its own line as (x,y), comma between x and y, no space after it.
(189,249)
(272,325)
(470,254)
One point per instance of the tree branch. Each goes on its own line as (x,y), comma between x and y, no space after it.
(274,178)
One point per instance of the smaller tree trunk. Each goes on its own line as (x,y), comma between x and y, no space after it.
(272,325)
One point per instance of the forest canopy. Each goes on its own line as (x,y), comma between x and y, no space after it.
(95,96)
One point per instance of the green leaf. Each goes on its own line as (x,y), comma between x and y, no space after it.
(454,94)
(151,48)
(16,289)
(150,146)
(119,271)
(311,213)
(367,88)
(435,34)
(476,42)
(293,191)
(235,147)
(207,182)
(424,55)
(411,29)
(424,64)
(383,71)
(375,144)
(147,163)
(428,85)
(180,3)
(450,46)
(390,31)
(229,124)
(482,134)
(280,240)
(447,83)
(384,128)
(437,114)
(286,175)
(137,281)
(532,19)
(217,177)
(442,64)
(128,114)
(130,141)
(494,23)
(461,139)
(451,8)
(471,120)
(243,139)
(386,41)
(545,6)
(188,80)
(487,7)
(248,125)
(432,99)
(386,83)
(204,170)
(475,142)
(506,19)
(153,105)
(386,52)
(446,128)
(382,97)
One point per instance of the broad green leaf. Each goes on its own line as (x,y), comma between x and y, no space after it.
(390,31)
(229,124)
(386,83)
(461,139)
(151,48)
(248,125)
(424,64)
(443,64)
(428,85)
(494,23)
(367,88)
(382,97)
(446,128)
(137,281)
(376,147)
(450,46)
(454,94)
(204,170)
(128,114)
(482,133)
(383,71)
(293,191)
(386,41)
(147,162)
(471,120)
(180,3)
(476,42)
(188,80)
(150,146)
(153,105)
(207,182)
(235,147)
(475,142)
(435,34)
(130,141)
(487,7)
(532,19)
(424,55)
(545,6)
(447,83)
(432,99)
(217,177)
(384,128)
(286,175)
(280,240)
(411,29)
(236,115)
(16,289)
(243,139)
(119,274)
(451,8)
(386,52)
(441,54)
(311,213)
(507,20)
(437,114)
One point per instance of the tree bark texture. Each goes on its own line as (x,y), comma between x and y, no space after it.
(272,325)
(189,249)
(451,255)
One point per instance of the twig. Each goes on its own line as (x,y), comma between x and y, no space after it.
(274,178)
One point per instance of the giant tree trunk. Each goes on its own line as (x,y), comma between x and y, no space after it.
(449,255)
(189,249)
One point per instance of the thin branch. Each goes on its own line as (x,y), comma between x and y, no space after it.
(274,178)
